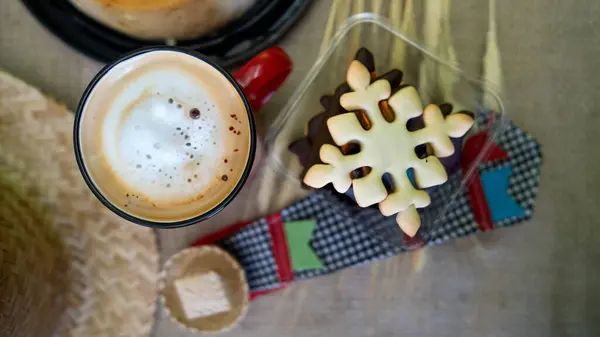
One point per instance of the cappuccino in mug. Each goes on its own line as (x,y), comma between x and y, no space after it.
(164,136)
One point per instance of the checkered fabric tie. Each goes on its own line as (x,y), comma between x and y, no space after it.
(347,235)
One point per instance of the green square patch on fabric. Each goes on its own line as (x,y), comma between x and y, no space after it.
(298,234)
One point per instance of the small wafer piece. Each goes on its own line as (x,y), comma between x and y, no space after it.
(202,295)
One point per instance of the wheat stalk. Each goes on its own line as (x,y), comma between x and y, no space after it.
(492,68)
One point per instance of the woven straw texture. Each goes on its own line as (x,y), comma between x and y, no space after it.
(113,265)
(200,260)
(32,267)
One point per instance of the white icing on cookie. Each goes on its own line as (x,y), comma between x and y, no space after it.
(388,147)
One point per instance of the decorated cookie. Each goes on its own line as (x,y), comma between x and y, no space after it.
(451,163)
(375,133)
(317,134)
(375,143)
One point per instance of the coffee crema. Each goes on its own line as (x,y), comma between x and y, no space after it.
(165,136)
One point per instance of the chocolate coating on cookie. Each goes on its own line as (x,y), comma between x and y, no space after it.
(314,125)
(326,101)
(364,56)
(318,133)
(393,76)
(446,108)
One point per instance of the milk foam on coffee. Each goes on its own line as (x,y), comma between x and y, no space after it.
(171,136)
(155,143)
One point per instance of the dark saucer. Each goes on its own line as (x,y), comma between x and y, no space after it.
(259,28)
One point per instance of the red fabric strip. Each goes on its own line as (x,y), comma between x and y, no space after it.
(472,150)
(259,293)
(280,248)
(413,242)
(219,235)
(483,216)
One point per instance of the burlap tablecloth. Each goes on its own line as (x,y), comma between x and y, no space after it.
(538,279)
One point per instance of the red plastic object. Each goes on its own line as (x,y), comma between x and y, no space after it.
(220,235)
(280,248)
(491,152)
(263,75)
(259,293)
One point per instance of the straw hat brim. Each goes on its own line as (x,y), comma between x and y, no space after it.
(32,266)
(113,265)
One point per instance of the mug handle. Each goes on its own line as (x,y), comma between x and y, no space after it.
(263,75)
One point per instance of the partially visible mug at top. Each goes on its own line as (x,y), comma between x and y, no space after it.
(166,138)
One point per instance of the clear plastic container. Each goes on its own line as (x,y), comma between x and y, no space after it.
(383,40)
